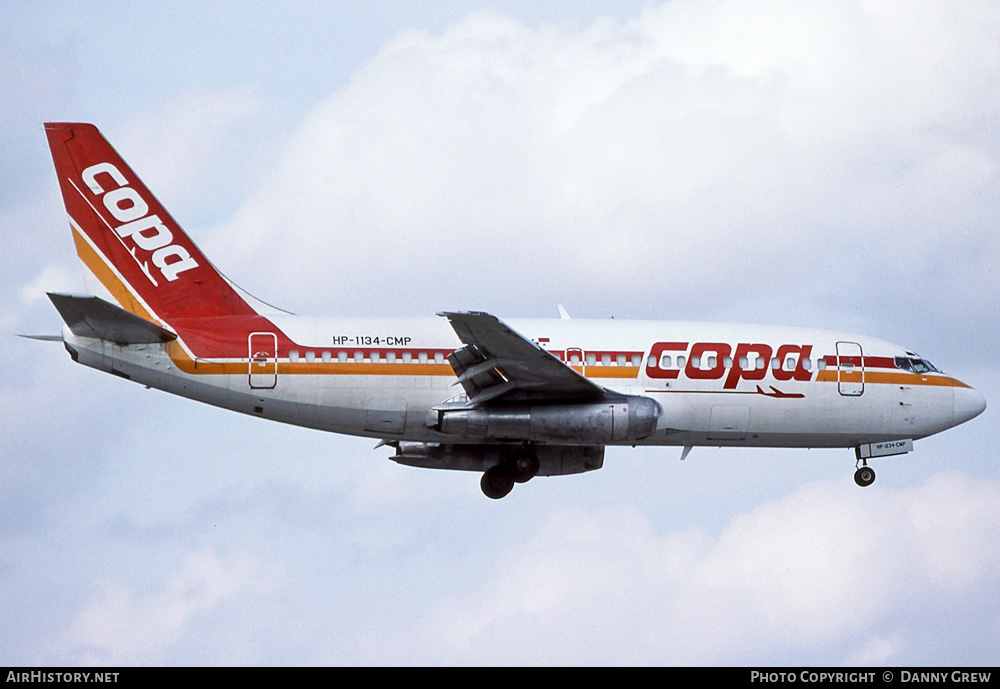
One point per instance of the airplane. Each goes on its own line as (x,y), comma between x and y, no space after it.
(467,390)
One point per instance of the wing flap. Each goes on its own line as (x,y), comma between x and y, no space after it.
(497,361)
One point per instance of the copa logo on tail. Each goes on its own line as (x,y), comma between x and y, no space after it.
(144,229)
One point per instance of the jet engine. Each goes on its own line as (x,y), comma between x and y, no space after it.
(553,460)
(620,422)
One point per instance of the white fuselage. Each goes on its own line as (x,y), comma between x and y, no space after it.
(717,384)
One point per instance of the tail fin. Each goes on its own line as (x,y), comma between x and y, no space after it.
(133,251)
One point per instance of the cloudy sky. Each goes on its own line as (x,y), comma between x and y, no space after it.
(825,164)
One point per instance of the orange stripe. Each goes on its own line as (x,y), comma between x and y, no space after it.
(356,369)
(895,378)
(186,364)
(204,367)
(611,372)
(99,267)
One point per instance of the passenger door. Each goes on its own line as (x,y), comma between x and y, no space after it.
(263,360)
(850,369)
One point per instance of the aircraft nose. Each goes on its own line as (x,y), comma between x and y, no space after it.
(969,403)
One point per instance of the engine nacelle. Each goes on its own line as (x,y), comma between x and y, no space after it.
(620,422)
(553,460)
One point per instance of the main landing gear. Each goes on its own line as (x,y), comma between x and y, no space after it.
(865,475)
(517,466)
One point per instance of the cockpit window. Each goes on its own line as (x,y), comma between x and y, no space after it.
(915,365)
(923,366)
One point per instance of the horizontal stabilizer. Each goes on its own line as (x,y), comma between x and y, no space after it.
(43,338)
(89,316)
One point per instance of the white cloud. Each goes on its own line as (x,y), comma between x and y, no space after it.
(828,566)
(121,627)
(177,146)
(692,141)
(53,278)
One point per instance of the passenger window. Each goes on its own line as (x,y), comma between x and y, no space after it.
(422,357)
(310,356)
(666,361)
(820,364)
(438,358)
(293,355)
(341,356)
(760,364)
(591,359)
(680,362)
(712,361)
(807,364)
(605,360)
(636,359)
(620,359)
(574,359)
(374,357)
(727,362)
(407,357)
(696,362)
(390,357)
(744,363)
(359,357)
(790,364)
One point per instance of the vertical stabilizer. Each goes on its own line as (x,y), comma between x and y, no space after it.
(133,251)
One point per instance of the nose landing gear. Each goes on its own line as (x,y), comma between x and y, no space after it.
(865,475)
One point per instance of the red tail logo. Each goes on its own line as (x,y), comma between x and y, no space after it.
(144,230)
(127,240)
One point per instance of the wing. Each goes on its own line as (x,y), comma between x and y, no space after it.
(497,361)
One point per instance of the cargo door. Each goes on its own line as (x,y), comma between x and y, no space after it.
(385,416)
(728,422)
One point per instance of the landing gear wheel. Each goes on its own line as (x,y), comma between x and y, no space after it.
(523,465)
(497,482)
(865,476)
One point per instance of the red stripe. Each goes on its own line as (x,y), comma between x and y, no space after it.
(869,361)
